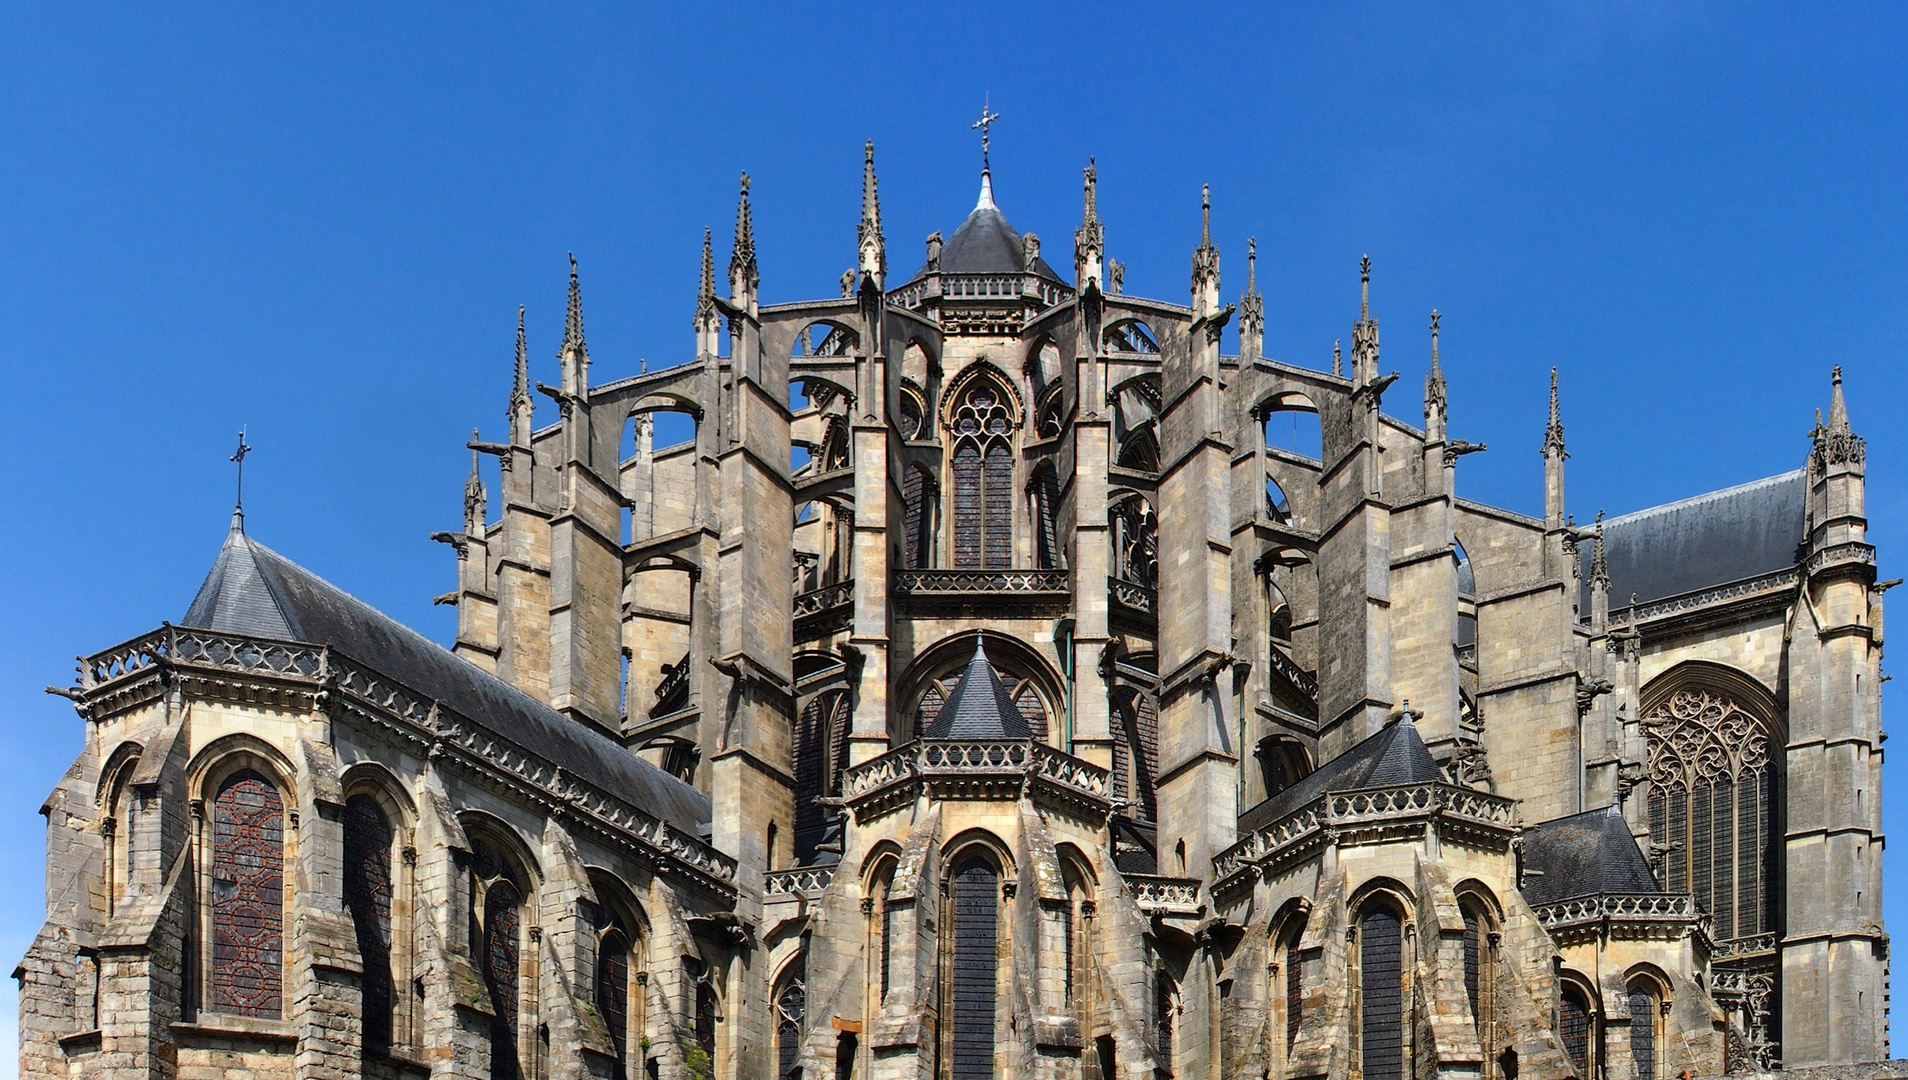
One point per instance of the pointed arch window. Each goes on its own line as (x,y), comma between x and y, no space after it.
(497,893)
(791,1007)
(918,493)
(1573,1027)
(248,897)
(1642,1002)
(1045,497)
(1294,984)
(615,949)
(1709,801)
(975,893)
(368,889)
(820,755)
(1381,992)
(983,479)
(1165,1006)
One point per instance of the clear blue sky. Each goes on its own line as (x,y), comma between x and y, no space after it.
(320,223)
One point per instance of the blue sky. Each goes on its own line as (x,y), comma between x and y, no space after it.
(319,223)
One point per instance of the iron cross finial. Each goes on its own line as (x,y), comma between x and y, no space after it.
(238,458)
(986,121)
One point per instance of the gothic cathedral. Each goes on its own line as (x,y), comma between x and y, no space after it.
(981,688)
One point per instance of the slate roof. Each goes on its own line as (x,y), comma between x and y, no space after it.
(981,706)
(1584,854)
(986,244)
(1395,755)
(1698,543)
(253,590)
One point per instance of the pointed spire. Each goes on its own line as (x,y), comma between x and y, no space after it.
(743,275)
(708,322)
(1836,443)
(522,408)
(1599,564)
(1205,264)
(1252,307)
(981,706)
(1338,357)
(573,353)
(1838,406)
(1434,402)
(1365,331)
(474,500)
(1089,240)
(868,238)
(1553,432)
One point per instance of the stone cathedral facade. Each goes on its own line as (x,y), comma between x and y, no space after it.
(980,692)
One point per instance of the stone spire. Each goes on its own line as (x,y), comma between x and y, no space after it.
(1365,330)
(1599,562)
(522,408)
(708,322)
(1338,357)
(743,275)
(1205,262)
(1089,240)
(1835,442)
(573,353)
(1553,463)
(868,238)
(474,499)
(1434,403)
(1252,307)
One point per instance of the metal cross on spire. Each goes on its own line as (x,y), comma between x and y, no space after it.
(986,121)
(238,458)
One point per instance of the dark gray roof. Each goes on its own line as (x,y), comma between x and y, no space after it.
(1395,755)
(253,590)
(986,244)
(980,707)
(1584,854)
(1713,539)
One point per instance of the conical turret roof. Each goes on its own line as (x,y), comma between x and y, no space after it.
(981,707)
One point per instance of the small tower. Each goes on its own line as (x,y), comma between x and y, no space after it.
(868,239)
(1205,262)
(708,321)
(1089,240)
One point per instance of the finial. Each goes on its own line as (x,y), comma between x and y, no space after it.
(986,121)
(868,239)
(573,318)
(1599,565)
(1434,339)
(1252,265)
(1838,406)
(1092,196)
(1554,433)
(1252,307)
(1364,287)
(238,503)
(1434,381)
(705,285)
(520,390)
(1205,215)
(1338,357)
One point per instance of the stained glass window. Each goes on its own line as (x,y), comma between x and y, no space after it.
(1294,984)
(1574,1027)
(983,481)
(1163,1008)
(976,898)
(791,1006)
(496,943)
(367,894)
(248,897)
(1708,803)
(1381,993)
(612,987)
(1643,1032)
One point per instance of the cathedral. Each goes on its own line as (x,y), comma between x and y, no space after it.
(978,689)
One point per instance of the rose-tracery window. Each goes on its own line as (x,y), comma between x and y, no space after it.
(983,480)
(1709,800)
(248,897)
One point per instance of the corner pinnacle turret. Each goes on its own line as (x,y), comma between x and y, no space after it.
(708,320)
(744,277)
(573,353)
(868,239)
(1089,240)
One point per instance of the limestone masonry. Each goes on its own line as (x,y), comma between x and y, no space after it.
(980,692)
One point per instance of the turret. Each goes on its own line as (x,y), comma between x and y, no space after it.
(1089,240)
(868,239)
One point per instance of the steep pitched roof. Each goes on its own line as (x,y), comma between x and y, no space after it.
(253,590)
(1583,855)
(1394,755)
(981,707)
(1711,539)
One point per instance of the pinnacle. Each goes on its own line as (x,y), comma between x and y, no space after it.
(573,317)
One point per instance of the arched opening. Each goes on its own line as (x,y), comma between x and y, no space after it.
(911,412)
(499,889)
(1288,990)
(1135,536)
(1130,336)
(1277,506)
(1139,451)
(248,896)
(1710,798)
(657,469)
(974,893)
(1575,1023)
(1481,937)
(1645,998)
(674,755)
(1467,601)
(919,494)
(820,754)
(1043,497)
(1283,761)
(369,890)
(1136,750)
(982,420)
(880,887)
(1278,619)
(618,928)
(1291,424)
(1165,1018)
(826,338)
(117,827)
(791,1015)
(1381,997)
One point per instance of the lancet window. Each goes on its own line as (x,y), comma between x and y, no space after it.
(1381,992)
(791,1005)
(368,893)
(248,897)
(615,959)
(1643,1029)
(1136,542)
(497,892)
(1709,799)
(820,755)
(983,472)
(975,894)
(1573,1027)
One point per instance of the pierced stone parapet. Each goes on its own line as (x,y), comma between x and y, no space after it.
(1350,817)
(1157,895)
(1135,597)
(1675,912)
(976,769)
(802,881)
(821,611)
